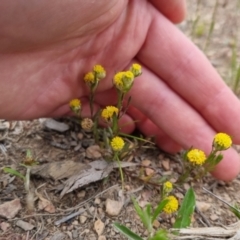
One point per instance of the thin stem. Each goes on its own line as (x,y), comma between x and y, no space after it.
(120,168)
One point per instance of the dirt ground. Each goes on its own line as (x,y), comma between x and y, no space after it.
(93,220)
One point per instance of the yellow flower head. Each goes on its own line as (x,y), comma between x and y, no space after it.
(118,79)
(107,112)
(222,141)
(196,156)
(117,144)
(171,206)
(123,81)
(167,187)
(89,78)
(99,71)
(136,69)
(75,105)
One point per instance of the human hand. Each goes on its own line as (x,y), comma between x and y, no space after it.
(46,48)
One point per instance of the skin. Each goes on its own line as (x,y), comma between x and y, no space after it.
(46,48)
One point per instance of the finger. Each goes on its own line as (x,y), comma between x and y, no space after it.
(174,10)
(178,119)
(147,127)
(174,58)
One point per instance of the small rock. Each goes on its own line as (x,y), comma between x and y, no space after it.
(203,206)
(81,194)
(58,236)
(113,208)
(93,152)
(10,209)
(149,171)
(214,217)
(146,162)
(156,224)
(24,225)
(102,238)
(97,201)
(186,186)
(166,165)
(87,142)
(99,227)
(55,125)
(80,136)
(82,219)
(4,226)
(75,234)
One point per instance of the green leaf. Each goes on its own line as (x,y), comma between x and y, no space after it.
(236,211)
(185,212)
(126,232)
(160,235)
(144,214)
(13,172)
(159,209)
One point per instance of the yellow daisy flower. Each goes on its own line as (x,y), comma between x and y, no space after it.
(89,78)
(117,144)
(99,71)
(136,69)
(171,206)
(222,141)
(196,156)
(107,112)
(75,105)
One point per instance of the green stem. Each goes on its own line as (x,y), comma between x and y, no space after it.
(134,137)
(120,168)
(91,102)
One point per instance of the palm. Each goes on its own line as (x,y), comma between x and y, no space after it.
(52,75)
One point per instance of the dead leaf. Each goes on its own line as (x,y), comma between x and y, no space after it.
(93,172)
(58,170)
(45,204)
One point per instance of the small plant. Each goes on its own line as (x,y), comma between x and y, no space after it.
(28,162)
(196,164)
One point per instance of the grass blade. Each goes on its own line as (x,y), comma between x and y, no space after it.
(126,232)
(185,212)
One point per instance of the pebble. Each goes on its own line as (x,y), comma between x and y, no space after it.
(24,225)
(93,152)
(4,226)
(149,171)
(10,209)
(99,227)
(113,208)
(82,219)
(146,162)
(55,125)
(166,164)
(203,206)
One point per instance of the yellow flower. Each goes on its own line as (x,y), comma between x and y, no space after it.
(222,141)
(117,144)
(75,105)
(136,69)
(107,112)
(99,71)
(89,78)
(167,187)
(196,156)
(118,79)
(171,206)
(123,81)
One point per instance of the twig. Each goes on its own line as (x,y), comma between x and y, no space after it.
(220,199)
(65,219)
